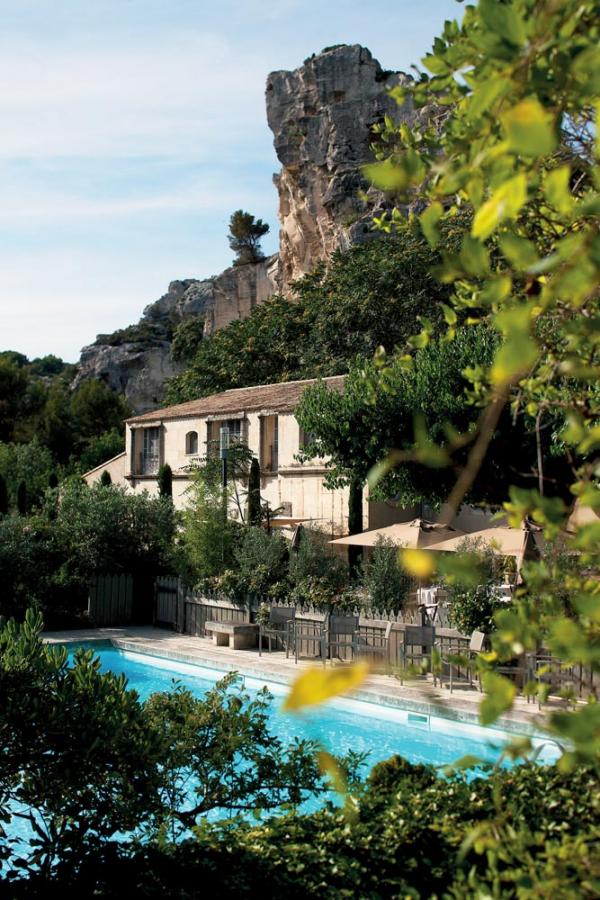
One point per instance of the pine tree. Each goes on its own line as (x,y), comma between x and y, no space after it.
(105,479)
(253,516)
(3,497)
(244,237)
(165,481)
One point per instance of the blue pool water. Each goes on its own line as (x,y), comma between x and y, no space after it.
(339,725)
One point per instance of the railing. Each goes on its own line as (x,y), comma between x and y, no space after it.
(187,612)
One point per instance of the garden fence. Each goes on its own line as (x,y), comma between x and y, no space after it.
(187,612)
(110,600)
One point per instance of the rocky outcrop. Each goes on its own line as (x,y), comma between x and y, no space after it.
(238,290)
(321,116)
(136,361)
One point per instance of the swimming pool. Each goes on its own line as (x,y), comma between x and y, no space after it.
(339,725)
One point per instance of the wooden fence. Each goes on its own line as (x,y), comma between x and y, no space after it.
(188,612)
(110,600)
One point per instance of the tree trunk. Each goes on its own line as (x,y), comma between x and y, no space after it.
(355,524)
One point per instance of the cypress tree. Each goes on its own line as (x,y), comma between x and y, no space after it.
(355,524)
(105,479)
(3,497)
(165,481)
(253,508)
(22,498)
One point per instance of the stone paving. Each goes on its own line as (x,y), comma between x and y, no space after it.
(417,694)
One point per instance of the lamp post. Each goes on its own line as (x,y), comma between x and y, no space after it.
(224,454)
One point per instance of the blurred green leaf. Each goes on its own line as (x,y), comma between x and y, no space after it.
(530,129)
(505,203)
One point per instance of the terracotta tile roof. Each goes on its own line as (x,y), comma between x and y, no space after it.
(281,397)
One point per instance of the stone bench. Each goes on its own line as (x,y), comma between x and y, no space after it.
(236,636)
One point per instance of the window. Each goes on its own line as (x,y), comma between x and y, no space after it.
(269,443)
(306,438)
(150,455)
(191,443)
(226,432)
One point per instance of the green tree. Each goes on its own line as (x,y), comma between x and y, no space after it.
(105,479)
(261,563)
(31,462)
(56,426)
(87,764)
(520,81)
(187,338)
(95,410)
(254,509)
(13,385)
(98,449)
(245,233)
(165,481)
(208,536)
(386,583)
(369,296)
(114,531)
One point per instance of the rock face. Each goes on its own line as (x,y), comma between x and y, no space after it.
(136,361)
(321,115)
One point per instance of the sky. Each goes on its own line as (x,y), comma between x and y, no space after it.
(132,129)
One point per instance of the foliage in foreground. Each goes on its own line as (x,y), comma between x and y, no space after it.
(84,760)
(519,149)
(530,832)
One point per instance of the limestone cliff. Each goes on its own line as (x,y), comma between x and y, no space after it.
(320,115)
(136,361)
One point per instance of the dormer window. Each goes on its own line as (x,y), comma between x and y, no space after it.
(191,443)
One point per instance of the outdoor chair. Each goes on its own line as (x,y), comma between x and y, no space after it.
(470,654)
(306,633)
(415,636)
(278,628)
(379,648)
(545,669)
(342,635)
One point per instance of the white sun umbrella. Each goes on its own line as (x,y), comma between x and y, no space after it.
(504,540)
(416,535)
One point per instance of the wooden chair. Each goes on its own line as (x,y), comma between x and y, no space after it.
(342,634)
(278,627)
(470,654)
(380,646)
(306,633)
(414,636)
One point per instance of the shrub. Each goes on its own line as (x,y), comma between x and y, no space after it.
(165,481)
(472,599)
(386,583)
(262,562)
(317,575)
(208,537)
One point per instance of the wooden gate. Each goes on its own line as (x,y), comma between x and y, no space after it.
(110,600)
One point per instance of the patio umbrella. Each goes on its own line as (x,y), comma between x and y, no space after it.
(517,542)
(417,535)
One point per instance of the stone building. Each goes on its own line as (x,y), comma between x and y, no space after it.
(260,417)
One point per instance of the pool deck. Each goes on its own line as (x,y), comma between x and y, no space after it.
(416,695)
